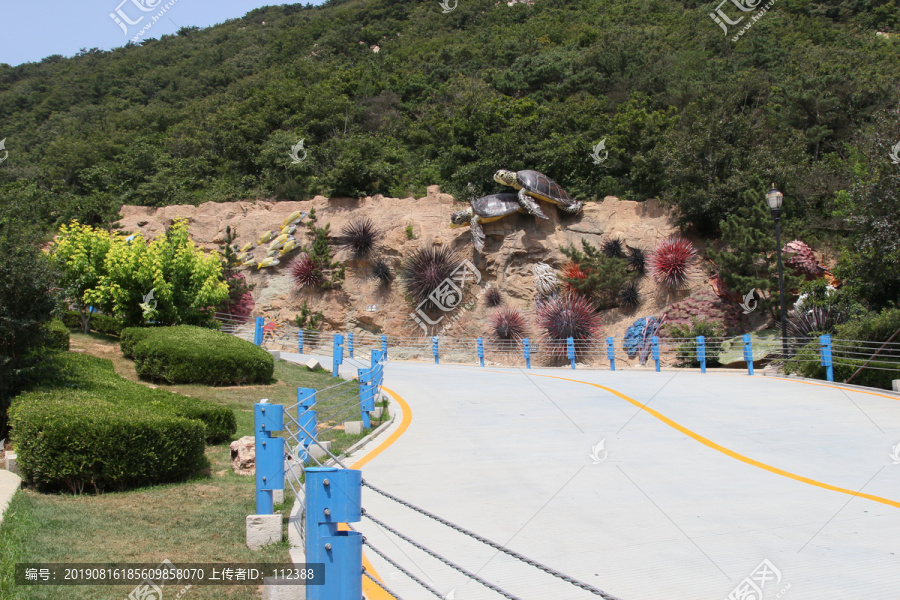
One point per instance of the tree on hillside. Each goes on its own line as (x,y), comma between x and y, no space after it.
(870,261)
(748,260)
(240,298)
(26,304)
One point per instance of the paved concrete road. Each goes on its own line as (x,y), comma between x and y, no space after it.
(700,478)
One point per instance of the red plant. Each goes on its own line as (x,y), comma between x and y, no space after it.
(566,316)
(571,271)
(671,261)
(508,324)
(306,272)
(240,301)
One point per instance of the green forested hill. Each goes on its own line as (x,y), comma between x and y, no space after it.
(804,99)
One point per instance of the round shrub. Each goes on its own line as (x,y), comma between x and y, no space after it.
(189,354)
(131,336)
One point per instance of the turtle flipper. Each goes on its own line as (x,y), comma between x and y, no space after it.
(572,208)
(477,233)
(531,205)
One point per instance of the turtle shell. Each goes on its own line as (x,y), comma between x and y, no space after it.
(497,205)
(542,187)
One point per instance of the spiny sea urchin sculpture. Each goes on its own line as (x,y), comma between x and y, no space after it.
(305,272)
(629,296)
(508,324)
(493,297)
(799,256)
(382,271)
(636,259)
(566,316)
(613,247)
(359,236)
(426,269)
(671,261)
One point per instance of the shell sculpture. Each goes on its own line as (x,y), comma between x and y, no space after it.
(801,257)
(546,282)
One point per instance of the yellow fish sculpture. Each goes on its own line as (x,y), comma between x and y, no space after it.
(289,245)
(288,230)
(279,242)
(294,217)
(266,237)
(247,247)
(267,262)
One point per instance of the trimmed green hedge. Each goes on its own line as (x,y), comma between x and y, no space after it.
(131,336)
(90,427)
(188,354)
(99,323)
(57,336)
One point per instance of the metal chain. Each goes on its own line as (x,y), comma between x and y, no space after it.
(401,569)
(447,562)
(379,584)
(494,545)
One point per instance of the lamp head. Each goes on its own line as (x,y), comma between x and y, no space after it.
(774,199)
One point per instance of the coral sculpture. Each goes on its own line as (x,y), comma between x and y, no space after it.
(800,257)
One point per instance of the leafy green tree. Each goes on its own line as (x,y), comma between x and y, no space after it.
(870,261)
(748,258)
(186,283)
(79,255)
(27,301)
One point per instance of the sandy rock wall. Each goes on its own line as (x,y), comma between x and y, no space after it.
(513,245)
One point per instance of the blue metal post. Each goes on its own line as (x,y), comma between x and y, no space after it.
(434,349)
(268,418)
(307,419)
(337,354)
(701,352)
(300,341)
(825,350)
(654,347)
(350,344)
(481,351)
(384,345)
(748,352)
(367,384)
(570,351)
(611,353)
(334,496)
(526,348)
(258,332)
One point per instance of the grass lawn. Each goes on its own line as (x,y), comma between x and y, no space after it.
(200,521)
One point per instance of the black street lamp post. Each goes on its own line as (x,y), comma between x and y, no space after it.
(774,199)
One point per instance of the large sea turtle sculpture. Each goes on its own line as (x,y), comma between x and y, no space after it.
(533,184)
(484,210)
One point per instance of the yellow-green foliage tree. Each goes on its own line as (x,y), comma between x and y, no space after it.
(186,282)
(80,253)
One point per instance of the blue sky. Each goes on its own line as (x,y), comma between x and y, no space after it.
(30,31)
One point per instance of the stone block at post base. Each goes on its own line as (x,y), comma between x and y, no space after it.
(11,464)
(312,364)
(316,450)
(353,427)
(896,385)
(263,530)
(274,591)
(376,414)
(277,496)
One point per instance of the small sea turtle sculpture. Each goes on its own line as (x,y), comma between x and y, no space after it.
(532,184)
(484,210)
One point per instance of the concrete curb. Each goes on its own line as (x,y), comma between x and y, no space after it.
(9,485)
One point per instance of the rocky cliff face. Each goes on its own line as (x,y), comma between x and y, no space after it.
(361,304)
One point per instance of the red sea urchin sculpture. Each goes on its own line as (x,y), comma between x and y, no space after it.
(566,316)
(671,261)
(305,272)
(508,324)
